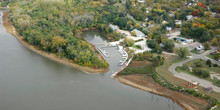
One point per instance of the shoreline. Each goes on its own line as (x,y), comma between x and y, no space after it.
(154,90)
(11,29)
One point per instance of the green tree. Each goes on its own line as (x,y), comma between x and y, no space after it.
(209,63)
(157,61)
(206,45)
(201,72)
(168,45)
(182,52)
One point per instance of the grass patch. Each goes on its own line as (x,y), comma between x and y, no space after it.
(148,69)
(214,69)
(210,56)
(137,47)
(216,82)
(164,72)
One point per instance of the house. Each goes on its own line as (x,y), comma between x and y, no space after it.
(164,22)
(168,28)
(146,19)
(178,22)
(150,25)
(189,17)
(143,24)
(147,11)
(171,14)
(213,14)
(141,1)
(113,27)
(189,41)
(138,33)
(161,45)
(199,48)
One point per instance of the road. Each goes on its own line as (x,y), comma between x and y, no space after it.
(187,77)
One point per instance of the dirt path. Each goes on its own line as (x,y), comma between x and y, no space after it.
(11,29)
(146,83)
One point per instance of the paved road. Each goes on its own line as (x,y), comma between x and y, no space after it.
(187,77)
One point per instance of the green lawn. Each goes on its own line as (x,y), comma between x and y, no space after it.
(166,74)
(210,56)
(137,47)
(148,69)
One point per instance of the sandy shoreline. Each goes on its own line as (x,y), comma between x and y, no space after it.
(11,29)
(183,103)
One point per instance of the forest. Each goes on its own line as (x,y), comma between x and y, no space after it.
(54,26)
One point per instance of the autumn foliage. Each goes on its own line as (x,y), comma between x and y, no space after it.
(195,13)
(201,5)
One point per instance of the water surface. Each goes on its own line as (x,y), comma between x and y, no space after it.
(29,81)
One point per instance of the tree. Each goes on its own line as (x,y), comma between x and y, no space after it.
(214,41)
(168,45)
(129,42)
(195,13)
(217,56)
(157,61)
(133,33)
(183,16)
(209,63)
(201,72)
(58,42)
(182,52)
(151,43)
(206,45)
(198,64)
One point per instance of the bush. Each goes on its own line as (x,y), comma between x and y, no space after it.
(185,67)
(151,44)
(198,64)
(215,65)
(209,63)
(168,45)
(206,45)
(201,72)
(182,52)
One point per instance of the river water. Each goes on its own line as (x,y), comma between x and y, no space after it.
(29,81)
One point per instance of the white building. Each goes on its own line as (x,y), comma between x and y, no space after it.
(168,28)
(178,22)
(189,17)
(141,1)
(138,33)
(164,22)
(199,48)
(189,41)
(114,28)
(146,19)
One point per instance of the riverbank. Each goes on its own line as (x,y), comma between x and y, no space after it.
(11,29)
(146,83)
